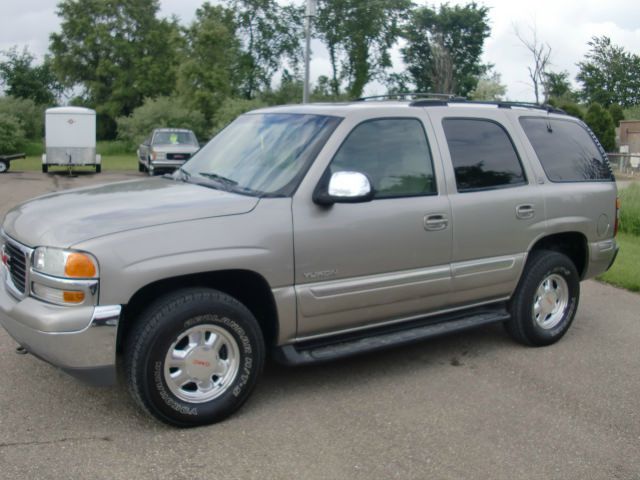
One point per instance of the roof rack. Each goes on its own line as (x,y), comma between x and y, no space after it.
(499,104)
(410,95)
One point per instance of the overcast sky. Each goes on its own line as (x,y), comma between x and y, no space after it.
(566,26)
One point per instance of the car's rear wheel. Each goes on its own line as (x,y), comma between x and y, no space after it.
(193,358)
(546,300)
(4,166)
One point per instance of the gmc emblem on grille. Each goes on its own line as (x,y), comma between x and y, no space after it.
(5,257)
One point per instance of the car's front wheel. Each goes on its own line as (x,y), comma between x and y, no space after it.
(193,358)
(546,299)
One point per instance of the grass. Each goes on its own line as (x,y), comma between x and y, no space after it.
(625,272)
(630,210)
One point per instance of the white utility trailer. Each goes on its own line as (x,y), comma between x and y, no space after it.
(70,138)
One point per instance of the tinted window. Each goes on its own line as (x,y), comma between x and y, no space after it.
(482,154)
(394,154)
(566,150)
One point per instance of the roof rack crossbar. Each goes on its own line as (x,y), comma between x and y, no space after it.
(498,103)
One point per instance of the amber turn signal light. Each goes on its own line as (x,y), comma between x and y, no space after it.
(79,265)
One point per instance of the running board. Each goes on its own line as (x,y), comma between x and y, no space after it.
(307,353)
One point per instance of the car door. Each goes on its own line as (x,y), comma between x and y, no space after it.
(383,260)
(496,205)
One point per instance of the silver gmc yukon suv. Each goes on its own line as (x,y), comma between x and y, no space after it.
(312,232)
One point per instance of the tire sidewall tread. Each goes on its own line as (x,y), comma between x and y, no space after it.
(540,264)
(157,328)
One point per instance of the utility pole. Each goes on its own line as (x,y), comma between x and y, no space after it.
(310,13)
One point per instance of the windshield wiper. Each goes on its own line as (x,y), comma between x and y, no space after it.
(220,178)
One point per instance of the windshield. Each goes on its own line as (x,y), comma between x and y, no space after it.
(260,154)
(174,138)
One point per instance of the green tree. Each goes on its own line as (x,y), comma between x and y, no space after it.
(22,79)
(609,74)
(489,87)
(231,108)
(117,51)
(209,70)
(572,108)
(557,86)
(617,114)
(602,125)
(160,112)
(359,36)
(444,46)
(269,34)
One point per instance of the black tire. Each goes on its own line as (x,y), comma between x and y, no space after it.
(140,167)
(156,332)
(45,168)
(98,168)
(551,267)
(4,166)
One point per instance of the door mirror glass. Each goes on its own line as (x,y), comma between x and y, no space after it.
(345,187)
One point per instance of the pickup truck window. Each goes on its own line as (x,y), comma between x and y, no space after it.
(262,154)
(174,138)
(483,154)
(566,150)
(393,153)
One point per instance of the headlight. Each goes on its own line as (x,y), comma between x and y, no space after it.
(64,277)
(64,263)
(158,155)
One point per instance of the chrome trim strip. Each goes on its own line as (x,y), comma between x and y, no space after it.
(484,265)
(399,320)
(88,287)
(103,316)
(365,284)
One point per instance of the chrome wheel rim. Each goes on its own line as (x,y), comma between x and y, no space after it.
(201,363)
(3,167)
(550,301)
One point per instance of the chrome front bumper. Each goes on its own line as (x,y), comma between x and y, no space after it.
(79,340)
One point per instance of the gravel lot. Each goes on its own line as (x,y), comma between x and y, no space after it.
(473,405)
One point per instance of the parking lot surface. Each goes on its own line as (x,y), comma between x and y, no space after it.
(467,406)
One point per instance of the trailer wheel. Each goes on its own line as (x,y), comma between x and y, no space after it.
(98,168)
(45,168)
(4,166)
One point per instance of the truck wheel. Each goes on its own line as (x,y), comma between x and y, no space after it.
(45,168)
(194,357)
(140,167)
(4,166)
(545,300)
(98,168)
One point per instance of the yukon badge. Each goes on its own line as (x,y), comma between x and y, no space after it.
(321,274)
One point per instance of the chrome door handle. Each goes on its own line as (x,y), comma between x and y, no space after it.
(436,222)
(525,212)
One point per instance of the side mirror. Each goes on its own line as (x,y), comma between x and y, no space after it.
(344,187)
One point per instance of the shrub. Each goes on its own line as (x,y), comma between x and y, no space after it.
(29,115)
(11,134)
(600,121)
(161,112)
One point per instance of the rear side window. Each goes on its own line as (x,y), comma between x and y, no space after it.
(393,153)
(482,153)
(566,150)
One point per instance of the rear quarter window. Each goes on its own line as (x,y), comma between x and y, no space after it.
(567,151)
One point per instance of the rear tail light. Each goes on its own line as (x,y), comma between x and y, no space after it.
(617,223)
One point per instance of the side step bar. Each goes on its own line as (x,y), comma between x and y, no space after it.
(308,352)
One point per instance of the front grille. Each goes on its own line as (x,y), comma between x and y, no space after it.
(178,156)
(17,267)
